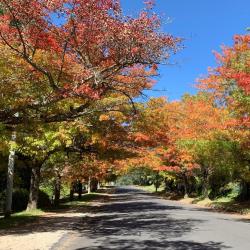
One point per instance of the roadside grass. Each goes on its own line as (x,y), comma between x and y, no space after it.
(161,192)
(85,199)
(232,206)
(20,218)
(151,188)
(226,203)
(223,204)
(26,217)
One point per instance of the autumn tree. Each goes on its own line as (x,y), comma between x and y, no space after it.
(109,136)
(170,130)
(61,57)
(229,84)
(35,149)
(180,162)
(218,162)
(79,49)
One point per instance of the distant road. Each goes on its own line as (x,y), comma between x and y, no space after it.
(135,220)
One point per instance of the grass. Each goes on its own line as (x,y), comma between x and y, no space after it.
(151,188)
(84,199)
(26,217)
(20,218)
(233,206)
(161,192)
(227,203)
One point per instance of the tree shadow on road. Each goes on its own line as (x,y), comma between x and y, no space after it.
(131,223)
(117,214)
(157,245)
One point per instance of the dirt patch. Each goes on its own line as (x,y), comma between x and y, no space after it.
(31,241)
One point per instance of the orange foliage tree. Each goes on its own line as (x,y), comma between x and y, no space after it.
(229,83)
(169,130)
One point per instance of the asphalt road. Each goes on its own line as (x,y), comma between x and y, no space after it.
(135,220)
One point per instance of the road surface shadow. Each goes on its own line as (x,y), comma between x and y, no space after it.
(157,245)
(107,213)
(130,220)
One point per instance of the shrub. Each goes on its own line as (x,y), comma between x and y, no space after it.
(20,200)
(2,199)
(43,200)
(21,197)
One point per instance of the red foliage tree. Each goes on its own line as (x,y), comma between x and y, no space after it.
(234,63)
(89,49)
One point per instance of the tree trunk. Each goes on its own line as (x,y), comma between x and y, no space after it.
(71,194)
(157,181)
(245,191)
(34,187)
(94,185)
(89,185)
(185,186)
(98,185)
(57,190)
(79,188)
(10,175)
(205,186)
(166,184)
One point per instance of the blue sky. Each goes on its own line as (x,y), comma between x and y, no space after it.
(205,25)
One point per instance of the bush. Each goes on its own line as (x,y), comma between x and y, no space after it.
(244,193)
(2,199)
(43,200)
(20,200)
(21,197)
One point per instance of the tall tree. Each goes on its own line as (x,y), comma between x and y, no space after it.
(10,176)
(82,50)
(229,83)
